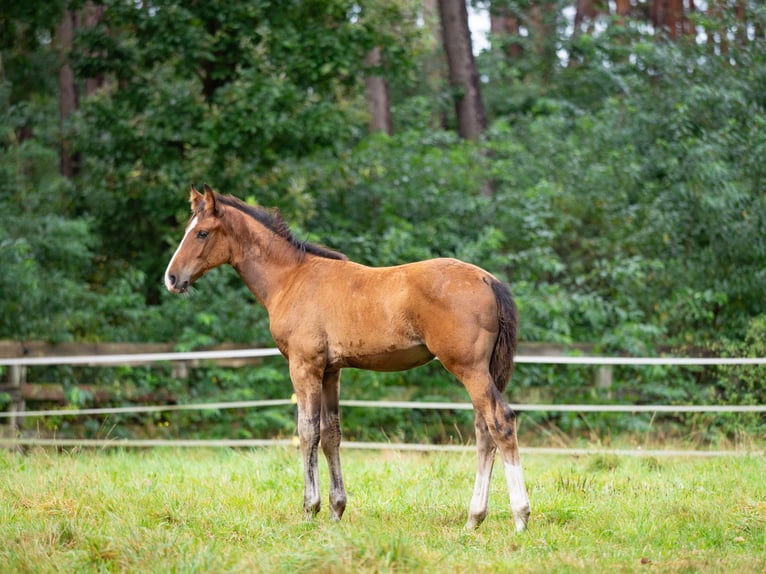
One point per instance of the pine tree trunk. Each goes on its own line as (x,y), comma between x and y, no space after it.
(376,90)
(622,9)
(68,96)
(585,11)
(503,22)
(435,64)
(463,75)
(92,15)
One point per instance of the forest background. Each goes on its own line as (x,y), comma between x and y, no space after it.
(606,159)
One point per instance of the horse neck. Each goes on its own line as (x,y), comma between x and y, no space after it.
(264,260)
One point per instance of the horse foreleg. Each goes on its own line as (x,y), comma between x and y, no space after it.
(308,391)
(486,449)
(330,440)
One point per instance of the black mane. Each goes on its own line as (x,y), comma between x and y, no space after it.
(272,220)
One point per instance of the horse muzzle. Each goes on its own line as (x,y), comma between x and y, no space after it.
(176,284)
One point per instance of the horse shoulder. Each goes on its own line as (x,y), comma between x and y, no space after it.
(298,313)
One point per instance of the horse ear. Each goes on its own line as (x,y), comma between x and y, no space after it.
(195,197)
(210,201)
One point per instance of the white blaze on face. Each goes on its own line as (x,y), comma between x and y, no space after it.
(191,226)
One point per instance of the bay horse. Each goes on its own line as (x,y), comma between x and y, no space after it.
(327,313)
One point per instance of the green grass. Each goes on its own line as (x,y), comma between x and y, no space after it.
(240,511)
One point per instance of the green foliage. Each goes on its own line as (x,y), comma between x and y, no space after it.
(46,256)
(390,200)
(738,385)
(220,95)
(646,201)
(744,384)
(619,188)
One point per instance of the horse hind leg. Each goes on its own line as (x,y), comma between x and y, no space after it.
(330,437)
(486,449)
(504,433)
(501,425)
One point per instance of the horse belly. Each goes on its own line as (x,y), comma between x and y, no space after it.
(395,359)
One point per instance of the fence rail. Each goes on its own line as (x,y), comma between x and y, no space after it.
(138,358)
(352,445)
(546,354)
(408,405)
(158,357)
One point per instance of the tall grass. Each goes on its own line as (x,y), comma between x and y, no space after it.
(240,511)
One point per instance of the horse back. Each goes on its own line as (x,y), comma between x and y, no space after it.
(386,318)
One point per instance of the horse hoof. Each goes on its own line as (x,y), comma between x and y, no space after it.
(474,521)
(521,518)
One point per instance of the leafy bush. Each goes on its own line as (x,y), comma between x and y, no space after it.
(619,191)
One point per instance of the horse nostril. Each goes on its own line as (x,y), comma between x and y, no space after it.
(172,279)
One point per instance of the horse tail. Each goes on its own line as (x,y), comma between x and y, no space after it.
(501,364)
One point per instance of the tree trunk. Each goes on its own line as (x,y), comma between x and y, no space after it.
(464,78)
(542,27)
(585,11)
(740,12)
(622,9)
(503,23)
(690,28)
(68,96)
(435,65)
(716,26)
(376,89)
(92,15)
(675,18)
(669,16)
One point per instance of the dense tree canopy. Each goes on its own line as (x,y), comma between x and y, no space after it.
(615,179)
(624,157)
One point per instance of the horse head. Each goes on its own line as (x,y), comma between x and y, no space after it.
(204,245)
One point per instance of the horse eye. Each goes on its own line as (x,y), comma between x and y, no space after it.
(201,234)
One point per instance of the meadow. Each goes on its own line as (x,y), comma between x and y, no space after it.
(221,510)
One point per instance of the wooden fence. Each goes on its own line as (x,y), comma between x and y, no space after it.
(17,357)
(22,391)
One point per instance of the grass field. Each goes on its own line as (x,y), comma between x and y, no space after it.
(240,511)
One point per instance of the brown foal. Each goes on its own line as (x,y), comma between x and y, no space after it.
(327,313)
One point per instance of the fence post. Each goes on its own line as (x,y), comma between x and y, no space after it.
(603,380)
(180,370)
(17,376)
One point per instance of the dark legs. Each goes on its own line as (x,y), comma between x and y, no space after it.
(495,425)
(486,450)
(330,439)
(319,423)
(308,390)
(501,423)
